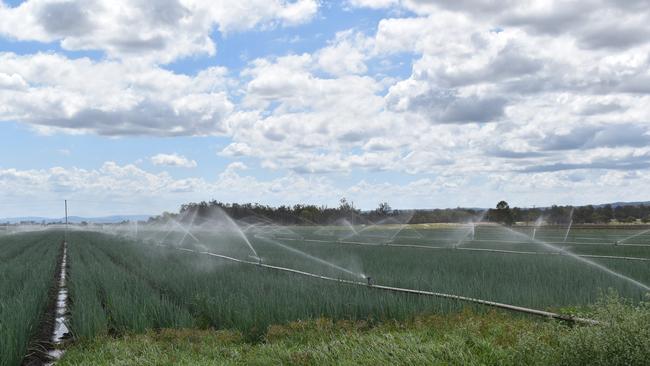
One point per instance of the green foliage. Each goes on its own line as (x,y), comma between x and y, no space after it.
(107,296)
(113,278)
(120,286)
(460,339)
(623,338)
(27,269)
(310,214)
(145,287)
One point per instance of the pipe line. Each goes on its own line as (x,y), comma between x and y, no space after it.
(521,309)
(471,249)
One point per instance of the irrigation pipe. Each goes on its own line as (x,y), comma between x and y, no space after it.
(504,251)
(546,314)
(632,245)
(605,242)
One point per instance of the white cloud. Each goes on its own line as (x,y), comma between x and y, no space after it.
(111,97)
(114,188)
(238,165)
(373,4)
(496,94)
(12,82)
(173,160)
(158,31)
(345,55)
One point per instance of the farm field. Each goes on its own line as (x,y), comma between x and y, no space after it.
(126,281)
(27,268)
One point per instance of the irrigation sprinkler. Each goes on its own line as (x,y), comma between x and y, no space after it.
(473,231)
(570,224)
(534,232)
(557,252)
(547,314)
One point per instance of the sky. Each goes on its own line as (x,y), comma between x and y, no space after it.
(136,106)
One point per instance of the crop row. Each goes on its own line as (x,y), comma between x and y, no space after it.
(580,241)
(204,292)
(27,268)
(539,281)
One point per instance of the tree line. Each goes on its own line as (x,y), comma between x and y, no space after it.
(347,213)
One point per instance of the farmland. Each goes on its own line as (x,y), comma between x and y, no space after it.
(126,281)
(27,267)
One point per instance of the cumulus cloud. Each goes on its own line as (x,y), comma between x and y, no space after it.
(590,137)
(345,55)
(173,160)
(374,4)
(543,90)
(110,97)
(159,31)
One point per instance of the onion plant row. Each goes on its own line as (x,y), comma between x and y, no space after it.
(538,281)
(120,284)
(168,288)
(27,269)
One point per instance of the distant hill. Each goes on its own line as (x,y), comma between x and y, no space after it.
(77,219)
(617,204)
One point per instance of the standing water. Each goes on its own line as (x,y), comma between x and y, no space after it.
(60,328)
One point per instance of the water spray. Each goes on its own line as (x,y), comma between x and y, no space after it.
(570,223)
(620,242)
(309,256)
(555,252)
(473,231)
(368,283)
(538,224)
(584,260)
(187,231)
(534,232)
(241,233)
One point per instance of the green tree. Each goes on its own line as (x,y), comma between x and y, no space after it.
(384,209)
(504,214)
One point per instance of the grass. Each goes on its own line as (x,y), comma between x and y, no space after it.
(27,268)
(465,338)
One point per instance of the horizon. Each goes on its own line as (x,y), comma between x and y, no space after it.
(151,215)
(123,107)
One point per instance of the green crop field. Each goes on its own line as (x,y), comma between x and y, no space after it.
(189,288)
(123,281)
(27,267)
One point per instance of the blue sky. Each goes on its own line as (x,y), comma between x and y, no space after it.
(128,108)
